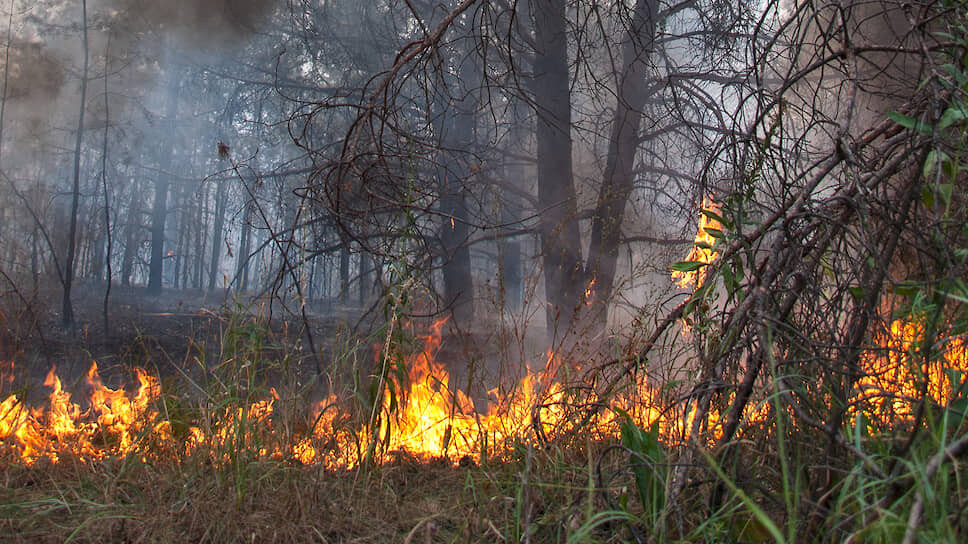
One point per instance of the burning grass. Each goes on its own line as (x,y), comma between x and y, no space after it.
(412,410)
(405,458)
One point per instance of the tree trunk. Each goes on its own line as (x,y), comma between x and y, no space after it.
(67,309)
(344,272)
(220,198)
(366,266)
(458,139)
(107,199)
(242,273)
(510,272)
(558,222)
(200,239)
(619,178)
(159,212)
(131,243)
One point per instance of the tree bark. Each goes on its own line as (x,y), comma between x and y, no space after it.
(619,176)
(558,224)
(107,201)
(455,174)
(131,241)
(159,213)
(67,308)
(510,272)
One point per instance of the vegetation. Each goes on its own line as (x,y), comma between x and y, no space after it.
(806,382)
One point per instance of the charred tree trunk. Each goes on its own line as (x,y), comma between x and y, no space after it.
(245,239)
(510,271)
(455,177)
(131,241)
(220,198)
(107,201)
(200,239)
(366,267)
(344,272)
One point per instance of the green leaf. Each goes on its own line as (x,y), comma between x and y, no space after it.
(729,280)
(713,215)
(687,266)
(648,463)
(954,114)
(856,291)
(944,190)
(909,122)
(927,197)
(903,120)
(905,290)
(715,233)
(929,163)
(949,168)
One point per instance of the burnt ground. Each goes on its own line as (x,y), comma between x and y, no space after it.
(181,336)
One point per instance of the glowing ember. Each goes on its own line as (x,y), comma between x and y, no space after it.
(702,249)
(589,292)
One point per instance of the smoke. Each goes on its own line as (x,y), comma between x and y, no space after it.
(199,23)
(34,72)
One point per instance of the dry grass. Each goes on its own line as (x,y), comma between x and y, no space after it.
(540,493)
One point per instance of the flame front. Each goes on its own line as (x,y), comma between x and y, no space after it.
(425,416)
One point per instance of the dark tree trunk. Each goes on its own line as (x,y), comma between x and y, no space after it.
(131,241)
(455,178)
(159,213)
(200,239)
(108,243)
(366,267)
(344,272)
(219,223)
(245,239)
(558,223)
(67,309)
(510,278)
(618,181)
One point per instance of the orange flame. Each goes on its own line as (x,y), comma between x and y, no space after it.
(897,377)
(702,249)
(425,416)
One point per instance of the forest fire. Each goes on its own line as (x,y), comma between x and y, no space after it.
(420,415)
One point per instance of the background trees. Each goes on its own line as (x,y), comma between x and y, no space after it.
(510,155)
